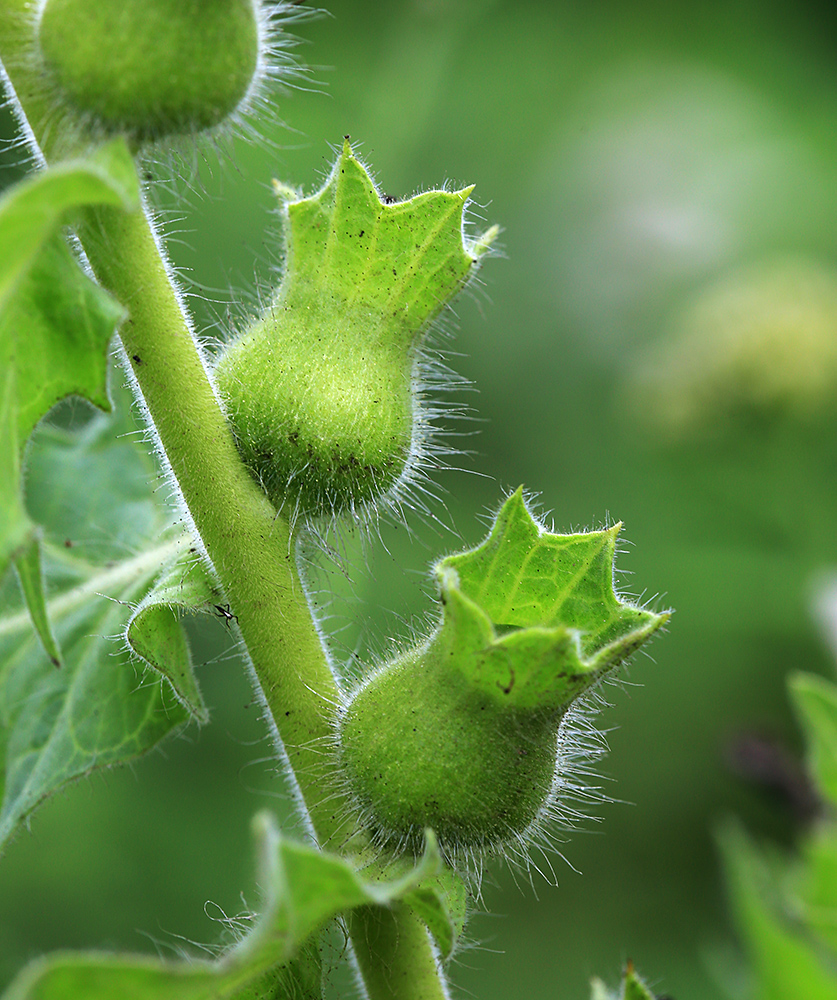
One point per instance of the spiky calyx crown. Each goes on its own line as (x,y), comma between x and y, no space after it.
(461,734)
(321,389)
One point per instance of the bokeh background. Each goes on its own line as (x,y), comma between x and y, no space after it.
(657,344)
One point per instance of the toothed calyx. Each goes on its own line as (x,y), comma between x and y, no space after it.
(152,69)
(461,734)
(321,390)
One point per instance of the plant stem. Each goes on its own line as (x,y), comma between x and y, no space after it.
(249,546)
(394,954)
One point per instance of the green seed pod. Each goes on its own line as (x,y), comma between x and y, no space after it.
(466,733)
(150,69)
(322,390)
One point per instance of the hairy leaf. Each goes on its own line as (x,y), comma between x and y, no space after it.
(30,574)
(55,322)
(32,211)
(304,890)
(155,632)
(103,549)
(442,903)
(55,327)
(440,899)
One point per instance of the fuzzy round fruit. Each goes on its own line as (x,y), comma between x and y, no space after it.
(471,732)
(154,68)
(323,390)
(325,424)
(419,750)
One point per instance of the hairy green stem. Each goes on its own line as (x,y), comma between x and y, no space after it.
(394,954)
(249,546)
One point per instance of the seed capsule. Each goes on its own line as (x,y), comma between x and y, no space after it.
(150,69)
(465,733)
(321,390)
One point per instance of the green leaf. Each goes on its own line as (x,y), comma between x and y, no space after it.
(815,700)
(531,617)
(817,883)
(54,334)
(316,886)
(96,711)
(102,707)
(155,632)
(55,324)
(16,530)
(33,210)
(632,988)
(784,956)
(442,903)
(304,888)
(441,899)
(31,577)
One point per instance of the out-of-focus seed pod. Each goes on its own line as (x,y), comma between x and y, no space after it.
(151,69)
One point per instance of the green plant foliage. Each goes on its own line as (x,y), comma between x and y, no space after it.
(16,530)
(32,211)
(815,700)
(785,959)
(30,574)
(442,899)
(632,988)
(100,707)
(468,737)
(321,389)
(304,889)
(784,907)
(460,734)
(55,328)
(155,632)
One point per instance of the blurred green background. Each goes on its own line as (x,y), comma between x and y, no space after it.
(658,345)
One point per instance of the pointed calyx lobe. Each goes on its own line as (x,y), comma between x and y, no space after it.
(321,389)
(461,734)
